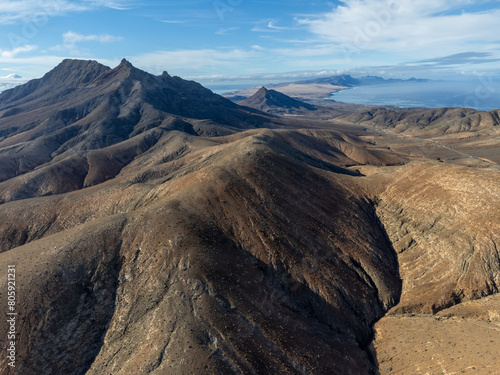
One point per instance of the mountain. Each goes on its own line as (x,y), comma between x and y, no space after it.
(459,135)
(423,121)
(10,81)
(374,80)
(273,101)
(57,123)
(205,256)
(82,82)
(340,80)
(11,77)
(158,228)
(277,103)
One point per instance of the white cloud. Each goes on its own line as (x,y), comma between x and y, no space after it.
(9,54)
(119,5)
(40,11)
(21,10)
(268,26)
(272,25)
(35,66)
(70,39)
(423,28)
(266,77)
(172,21)
(184,62)
(225,31)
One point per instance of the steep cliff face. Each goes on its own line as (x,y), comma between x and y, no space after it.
(443,222)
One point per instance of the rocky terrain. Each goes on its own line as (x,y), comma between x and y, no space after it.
(460,340)
(69,122)
(158,228)
(277,103)
(457,135)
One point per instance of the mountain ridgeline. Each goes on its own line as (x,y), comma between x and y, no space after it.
(55,124)
(158,228)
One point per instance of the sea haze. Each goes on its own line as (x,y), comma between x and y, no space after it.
(221,89)
(228,87)
(482,94)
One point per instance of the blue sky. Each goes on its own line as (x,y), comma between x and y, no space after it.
(219,41)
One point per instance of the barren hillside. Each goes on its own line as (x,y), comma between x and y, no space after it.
(157,228)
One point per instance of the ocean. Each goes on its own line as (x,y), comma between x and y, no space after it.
(482,94)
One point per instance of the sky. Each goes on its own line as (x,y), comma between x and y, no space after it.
(233,41)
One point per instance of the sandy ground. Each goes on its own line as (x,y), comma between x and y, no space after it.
(464,339)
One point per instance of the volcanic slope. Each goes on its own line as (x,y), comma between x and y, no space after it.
(443,222)
(459,135)
(257,251)
(424,121)
(221,261)
(52,126)
(225,264)
(275,102)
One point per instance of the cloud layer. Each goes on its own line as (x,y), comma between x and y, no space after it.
(400,38)
(9,54)
(70,39)
(12,11)
(406,27)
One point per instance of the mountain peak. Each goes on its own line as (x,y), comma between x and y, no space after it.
(87,87)
(126,63)
(14,76)
(77,63)
(269,100)
(125,70)
(263,89)
(72,72)
(65,77)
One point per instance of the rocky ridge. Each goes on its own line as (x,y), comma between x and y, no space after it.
(158,228)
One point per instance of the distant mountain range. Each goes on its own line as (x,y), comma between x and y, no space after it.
(12,76)
(340,80)
(318,88)
(349,81)
(10,81)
